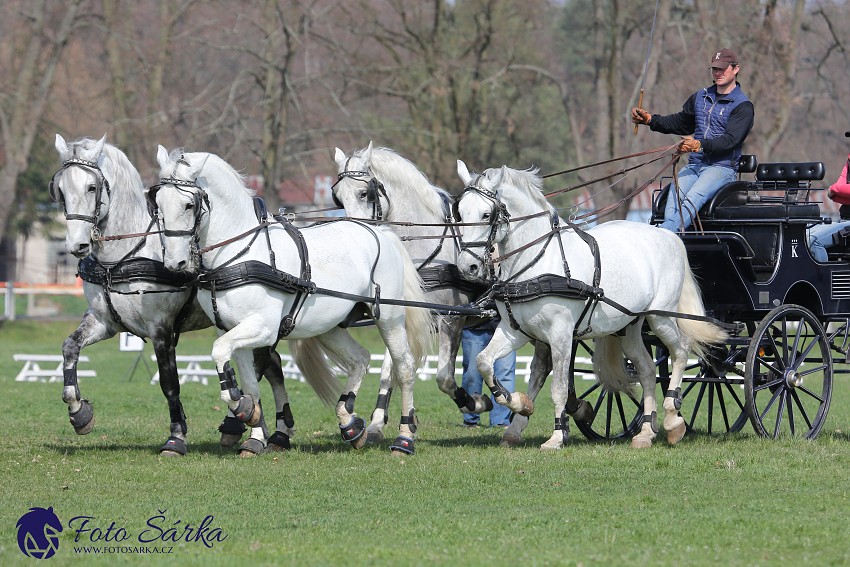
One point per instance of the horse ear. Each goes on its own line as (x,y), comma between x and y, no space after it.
(97,151)
(62,148)
(463,172)
(339,158)
(367,155)
(195,169)
(162,157)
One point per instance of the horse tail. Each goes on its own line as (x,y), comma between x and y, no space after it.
(308,354)
(700,333)
(418,321)
(609,365)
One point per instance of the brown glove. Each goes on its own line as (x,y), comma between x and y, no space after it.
(640,116)
(689,145)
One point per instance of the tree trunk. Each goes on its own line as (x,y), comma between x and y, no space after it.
(21,117)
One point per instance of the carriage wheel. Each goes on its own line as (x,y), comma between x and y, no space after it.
(788,376)
(617,414)
(712,391)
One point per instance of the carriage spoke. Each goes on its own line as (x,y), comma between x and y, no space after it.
(812,394)
(710,407)
(799,403)
(779,411)
(790,412)
(698,403)
(770,403)
(723,406)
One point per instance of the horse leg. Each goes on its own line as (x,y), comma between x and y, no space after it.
(355,362)
(379,418)
(499,346)
(169,383)
(561,354)
(89,331)
(395,337)
(668,332)
(450,334)
(249,334)
(541,366)
(267,362)
(635,350)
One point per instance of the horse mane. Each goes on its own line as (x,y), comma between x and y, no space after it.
(209,159)
(529,181)
(400,175)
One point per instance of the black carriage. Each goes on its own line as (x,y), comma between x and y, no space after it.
(788,313)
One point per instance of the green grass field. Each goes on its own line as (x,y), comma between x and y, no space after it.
(460,500)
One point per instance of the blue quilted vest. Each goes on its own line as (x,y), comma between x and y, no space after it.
(711,114)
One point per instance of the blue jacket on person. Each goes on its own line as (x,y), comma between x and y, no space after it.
(720,122)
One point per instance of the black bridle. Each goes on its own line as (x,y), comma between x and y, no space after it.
(374,191)
(201,206)
(57,196)
(498,215)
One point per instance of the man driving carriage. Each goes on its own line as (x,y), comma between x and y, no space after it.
(719,118)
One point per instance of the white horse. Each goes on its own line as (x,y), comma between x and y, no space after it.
(558,283)
(127,286)
(263,282)
(381,185)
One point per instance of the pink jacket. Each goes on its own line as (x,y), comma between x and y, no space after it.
(840,190)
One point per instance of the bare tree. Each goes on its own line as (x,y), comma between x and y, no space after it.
(35,38)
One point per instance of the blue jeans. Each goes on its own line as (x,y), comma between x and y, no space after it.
(697,184)
(472,342)
(820,238)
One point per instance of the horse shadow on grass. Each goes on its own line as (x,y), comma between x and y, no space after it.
(315,445)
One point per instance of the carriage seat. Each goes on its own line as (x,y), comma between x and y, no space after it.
(736,195)
(743,199)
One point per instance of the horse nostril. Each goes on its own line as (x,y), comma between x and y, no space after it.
(473,268)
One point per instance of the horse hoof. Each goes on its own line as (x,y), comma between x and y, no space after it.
(278,442)
(353,432)
(526,406)
(86,429)
(584,413)
(641,443)
(229,439)
(402,446)
(551,447)
(83,419)
(374,437)
(251,447)
(174,447)
(248,411)
(360,442)
(510,441)
(231,430)
(675,434)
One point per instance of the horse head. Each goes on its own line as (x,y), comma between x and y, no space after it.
(357,190)
(480,207)
(178,200)
(82,189)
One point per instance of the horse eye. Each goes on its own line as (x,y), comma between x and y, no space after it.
(92,188)
(190,206)
(486,216)
(364,194)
